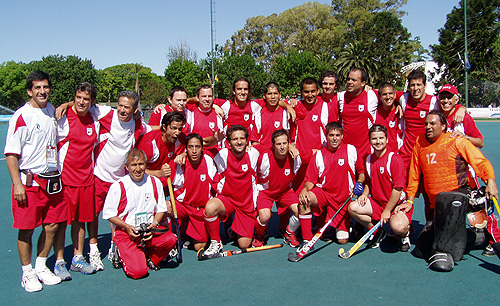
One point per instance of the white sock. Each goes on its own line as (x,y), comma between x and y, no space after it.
(40,264)
(77,257)
(93,248)
(293,223)
(60,260)
(27,268)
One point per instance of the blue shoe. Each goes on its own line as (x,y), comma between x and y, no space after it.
(61,271)
(81,265)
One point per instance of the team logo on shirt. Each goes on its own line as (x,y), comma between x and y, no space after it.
(170,154)
(211,125)
(147,196)
(314,118)
(341,161)
(276,124)
(382,170)
(244,167)
(38,127)
(203,177)
(361,108)
(129,133)
(392,124)
(246,117)
(287,172)
(423,114)
(89,131)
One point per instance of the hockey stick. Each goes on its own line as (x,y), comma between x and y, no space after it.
(359,243)
(296,257)
(239,251)
(496,205)
(176,221)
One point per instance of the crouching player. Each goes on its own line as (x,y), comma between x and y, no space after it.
(330,177)
(192,184)
(134,201)
(276,169)
(237,168)
(385,180)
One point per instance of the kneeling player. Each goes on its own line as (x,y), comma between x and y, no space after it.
(237,169)
(276,169)
(330,177)
(134,202)
(385,181)
(192,187)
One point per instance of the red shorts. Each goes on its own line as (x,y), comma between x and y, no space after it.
(101,190)
(244,221)
(378,209)
(196,221)
(325,201)
(283,202)
(40,208)
(80,201)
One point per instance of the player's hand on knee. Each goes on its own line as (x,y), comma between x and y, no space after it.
(385,217)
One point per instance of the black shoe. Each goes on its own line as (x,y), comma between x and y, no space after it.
(117,264)
(151,265)
(488,251)
(376,239)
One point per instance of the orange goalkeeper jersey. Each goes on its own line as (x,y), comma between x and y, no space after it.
(443,165)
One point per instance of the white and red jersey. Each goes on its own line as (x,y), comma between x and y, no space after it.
(384,174)
(274,176)
(76,139)
(31,131)
(333,107)
(413,124)
(157,152)
(204,123)
(358,114)
(311,133)
(467,127)
(116,138)
(156,118)
(193,183)
(233,114)
(237,176)
(266,122)
(335,172)
(127,198)
(391,121)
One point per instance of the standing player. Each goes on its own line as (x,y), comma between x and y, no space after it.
(329,82)
(385,181)
(358,111)
(331,175)
(192,183)
(135,201)
(276,169)
(204,121)
(30,151)
(76,139)
(237,168)
(177,97)
(386,116)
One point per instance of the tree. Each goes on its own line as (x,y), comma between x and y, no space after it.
(181,52)
(185,73)
(66,72)
(483,36)
(13,86)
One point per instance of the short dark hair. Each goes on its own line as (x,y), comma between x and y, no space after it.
(377,128)
(328,74)
(233,87)
(334,125)
(133,154)
(37,76)
(234,128)
(204,86)
(175,89)
(194,136)
(89,88)
(271,85)
(171,117)
(130,94)
(364,74)
(440,114)
(308,81)
(385,85)
(417,74)
(278,133)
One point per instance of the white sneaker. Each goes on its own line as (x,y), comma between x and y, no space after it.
(111,252)
(30,281)
(213,250)
(96,262)
(47,277)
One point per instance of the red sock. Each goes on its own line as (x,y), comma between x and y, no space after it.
(260,229)
(212,226)
(305,224)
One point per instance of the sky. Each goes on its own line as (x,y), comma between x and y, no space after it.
(113,32)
